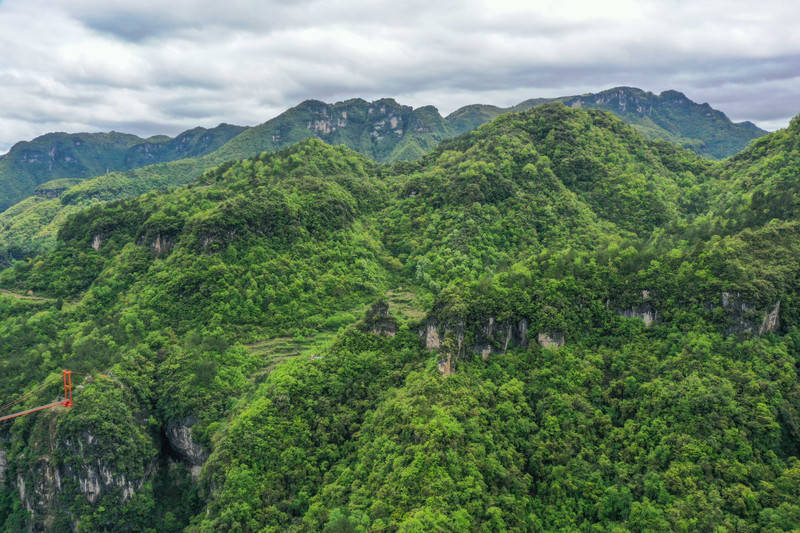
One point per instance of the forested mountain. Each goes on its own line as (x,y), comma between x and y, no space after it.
(383,130)
(673,117)
(670,116)
(80,155)
(548,323)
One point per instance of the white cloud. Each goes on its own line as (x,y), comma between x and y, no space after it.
(162,67)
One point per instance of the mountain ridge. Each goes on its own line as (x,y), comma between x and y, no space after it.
(383,129)
(80,155)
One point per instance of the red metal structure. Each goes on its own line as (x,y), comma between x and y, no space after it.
(66,402)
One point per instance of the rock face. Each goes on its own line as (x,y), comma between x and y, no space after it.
(162,246)
(432,341)
(96,478)
(97,240)
(550,340)
(3,467)
(771,321)
(448,339)
(746,318)
(71,467)
(445,365)
(486,338)
(645,311)
(179,437)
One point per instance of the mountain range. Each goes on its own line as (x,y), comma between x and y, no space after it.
(81,155)
(550,322)
(382,130)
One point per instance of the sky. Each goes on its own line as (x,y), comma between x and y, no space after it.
(153,67)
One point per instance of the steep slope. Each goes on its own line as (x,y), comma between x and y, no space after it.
(673,117)
(190,143)
(294,218)
(761,182)
(382,130)
(59,155)
(62,155)
(670,116)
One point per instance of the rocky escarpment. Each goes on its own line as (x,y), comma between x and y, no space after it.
(771,322)
(78,466)
(487,336)
(162,245)
(3,467)
(453,338)
(63,469)
(644,310)
(183,445)
(745,318)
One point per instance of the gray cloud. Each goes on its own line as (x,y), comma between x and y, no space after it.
(161,67)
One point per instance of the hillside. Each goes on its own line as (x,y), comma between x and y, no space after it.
(673,117)
(382,130)
(670,116)
(80,155)
(549,323)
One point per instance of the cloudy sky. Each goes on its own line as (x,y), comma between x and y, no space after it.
(150,66)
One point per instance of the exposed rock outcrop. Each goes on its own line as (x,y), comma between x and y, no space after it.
(486,338)
(72,466)
(745,318)
(3,467)
(40,488)
(432,341)
(445,365)
(96,478)
(550,340)
(448,339)
(179,437)
(162,245)
(97,240)
(771,321)
(645,311)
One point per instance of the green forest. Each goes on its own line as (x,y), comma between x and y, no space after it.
(549,323)
(92,169)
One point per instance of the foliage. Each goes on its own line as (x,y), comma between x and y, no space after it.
(206,303)
(382,130)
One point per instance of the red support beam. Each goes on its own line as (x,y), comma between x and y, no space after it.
(67,388)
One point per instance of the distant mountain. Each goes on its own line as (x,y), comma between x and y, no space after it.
(81,155)
(387,131)
(670,116)
(383,130)
(673,117)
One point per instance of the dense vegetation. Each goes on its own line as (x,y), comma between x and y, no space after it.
(671,116)
(673,402)
(382,130)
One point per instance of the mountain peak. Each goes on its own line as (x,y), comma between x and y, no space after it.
(672,94)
